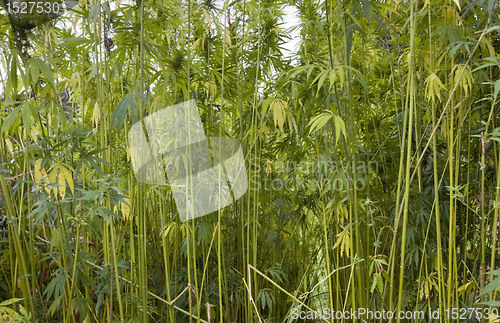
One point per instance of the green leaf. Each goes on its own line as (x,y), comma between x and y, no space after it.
(278,107)
(265,105)
(120,113)
(494,284)
(81,304)
(348,41)
(491,303)
(10,301)
(11,118)
(491,5)
(374,285)
(489,30)
(141,97)
(490,61)
(56,286)
(105,213)
(27,117)
(497,87)
(317,77)
(388,7)
(366,10)
(361,78)
(46,71)
(380,284)
(269,301)
(495,272)
(35,70)
(55,305)
(204,232)
(319,121)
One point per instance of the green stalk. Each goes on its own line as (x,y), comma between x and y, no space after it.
(483,216)
(327,254)
(353,200)
(166,259)
(439,264)
(114,255)
(143,275)
(408,153)
(495,221)
(402,135)
(19,252)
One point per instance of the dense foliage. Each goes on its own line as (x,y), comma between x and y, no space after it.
(371,152)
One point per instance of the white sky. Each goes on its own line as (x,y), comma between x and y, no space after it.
(290,21)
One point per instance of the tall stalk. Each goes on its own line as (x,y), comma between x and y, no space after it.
(410,109)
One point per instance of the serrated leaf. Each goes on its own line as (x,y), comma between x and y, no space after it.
(69,178)
(339,127)
(204,232)
(269,301)
(55,305)
(56,285)
(322,80)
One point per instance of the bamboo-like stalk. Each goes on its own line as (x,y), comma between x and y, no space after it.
(25,287)
(410,109)
(437,207)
